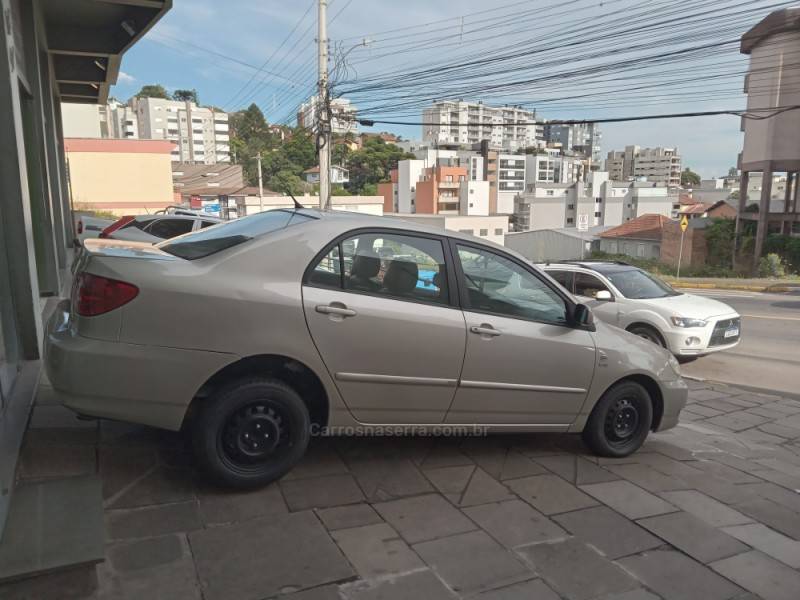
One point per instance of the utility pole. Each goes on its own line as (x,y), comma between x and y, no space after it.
(323,116)
(260,186)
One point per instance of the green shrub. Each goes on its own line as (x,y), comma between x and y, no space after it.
(771,265)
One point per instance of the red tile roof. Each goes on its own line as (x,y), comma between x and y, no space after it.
(646,227)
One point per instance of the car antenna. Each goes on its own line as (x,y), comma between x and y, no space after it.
(297,205)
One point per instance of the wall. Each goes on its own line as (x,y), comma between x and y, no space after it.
(695,249)
(81,120)
(367,205)
(123,176)
(388,191)
(546,245)
(408,175)
(474,198)
(631,247)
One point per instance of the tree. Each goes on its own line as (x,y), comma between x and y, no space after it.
(184,95)
(286,182)
(689,177)
(155,90)
(372,163)
(733,172)
(300,149)
(249,135)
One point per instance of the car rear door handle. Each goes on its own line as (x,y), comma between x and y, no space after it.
(486,330)
(342,311)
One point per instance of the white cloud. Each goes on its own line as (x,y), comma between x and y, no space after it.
(124,78)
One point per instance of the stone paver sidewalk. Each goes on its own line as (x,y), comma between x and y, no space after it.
(707,510)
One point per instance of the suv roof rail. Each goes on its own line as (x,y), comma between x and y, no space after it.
(588,261)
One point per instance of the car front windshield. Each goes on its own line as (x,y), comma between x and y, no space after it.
(639,285)
(210,240)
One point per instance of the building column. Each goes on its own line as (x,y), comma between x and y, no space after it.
(744,182)
(763,215)
(17,228)
(786,224)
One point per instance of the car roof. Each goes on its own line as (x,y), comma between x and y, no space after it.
(600,266)
(353,220)
(176,216)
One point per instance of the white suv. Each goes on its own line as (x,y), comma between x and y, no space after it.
(634,300)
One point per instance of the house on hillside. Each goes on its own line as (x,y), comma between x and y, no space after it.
(338,174)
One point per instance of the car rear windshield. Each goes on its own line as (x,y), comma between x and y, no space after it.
(206,242)
(639,285)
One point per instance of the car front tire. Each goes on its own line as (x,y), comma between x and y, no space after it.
(648,333)
(620,421)
(251,432)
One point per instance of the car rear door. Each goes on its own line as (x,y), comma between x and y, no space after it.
(380,308)
(524,364)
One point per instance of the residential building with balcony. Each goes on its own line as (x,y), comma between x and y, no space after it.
(461,123)
(651,164)
(200,134)
(584,138)
(551,166)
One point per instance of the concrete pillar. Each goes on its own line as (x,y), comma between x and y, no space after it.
(786,224)
(763,215)
(744,182)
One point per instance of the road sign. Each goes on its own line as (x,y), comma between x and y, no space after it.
(684,222)
(583,222)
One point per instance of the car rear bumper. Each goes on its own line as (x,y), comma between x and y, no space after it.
(674,395)
(150,385)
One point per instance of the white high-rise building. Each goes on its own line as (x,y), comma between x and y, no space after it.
(201,133)
(504,127)
(342,115)
(584,138)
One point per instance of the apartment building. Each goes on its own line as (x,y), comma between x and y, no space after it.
(200,134)
(651,164)
(488,227)
(599,201)
(552,167)
(504,127)
(584,138)
(342,115)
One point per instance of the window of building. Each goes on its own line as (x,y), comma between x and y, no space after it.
(498,231)
(570,221)
(498,285)
(484,232)
(467,231)
(550,192)
(570,207)
(597,213)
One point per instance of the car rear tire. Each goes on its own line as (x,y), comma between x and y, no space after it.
(648,333)
(251,432)
(620,421)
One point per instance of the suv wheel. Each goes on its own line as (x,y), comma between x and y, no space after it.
(620,421)
(251,432)
(648,333)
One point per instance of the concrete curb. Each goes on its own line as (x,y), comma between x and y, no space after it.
(747,388)
(774,288)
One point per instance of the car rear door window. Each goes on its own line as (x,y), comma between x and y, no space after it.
(170,228)
(497,285)
(588,285)
(562,277)
(204,224)
(328,271)
(399,266)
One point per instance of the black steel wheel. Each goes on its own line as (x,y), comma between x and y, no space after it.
(251,432)
(620,421)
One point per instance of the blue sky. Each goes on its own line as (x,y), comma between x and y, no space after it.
(247,32)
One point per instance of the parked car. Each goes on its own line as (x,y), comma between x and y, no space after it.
(156,228)
(87,226)
(633,299)
(260,332)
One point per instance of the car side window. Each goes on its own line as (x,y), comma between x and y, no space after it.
(204,224)
(170,228)
(328,272)
(398,266)
(498,285)
(562,277)
(588,285)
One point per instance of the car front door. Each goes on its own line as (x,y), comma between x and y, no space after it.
(379,308)
(586,288)
(524,363)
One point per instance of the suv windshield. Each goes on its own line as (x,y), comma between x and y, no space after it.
(231,233)
(639,285)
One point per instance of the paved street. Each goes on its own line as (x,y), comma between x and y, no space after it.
(709,510)
(769,355)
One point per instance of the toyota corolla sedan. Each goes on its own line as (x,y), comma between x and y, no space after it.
(260,332)
(633,299)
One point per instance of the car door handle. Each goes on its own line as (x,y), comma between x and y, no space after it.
(487,330)
(342,311)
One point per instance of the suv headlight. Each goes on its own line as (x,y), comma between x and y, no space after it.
(674,364)
(688,322)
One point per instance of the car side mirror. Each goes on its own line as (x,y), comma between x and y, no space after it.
(582,317)
(604,296)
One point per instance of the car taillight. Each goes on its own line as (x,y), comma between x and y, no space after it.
(118,224)
(95,295)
